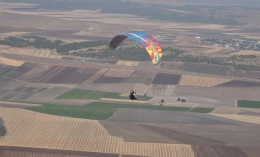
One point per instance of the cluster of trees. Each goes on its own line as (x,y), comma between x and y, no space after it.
(41,42)
(135,53)
(31,41)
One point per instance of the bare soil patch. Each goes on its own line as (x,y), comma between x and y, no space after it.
(171,66)
(163,78)
(21,70)
(239,83)
(106,79)
(71,75)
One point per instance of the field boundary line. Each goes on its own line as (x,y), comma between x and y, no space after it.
(193,108)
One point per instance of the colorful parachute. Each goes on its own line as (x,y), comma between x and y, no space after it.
(150,44)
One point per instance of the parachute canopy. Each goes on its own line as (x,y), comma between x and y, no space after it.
(151,45)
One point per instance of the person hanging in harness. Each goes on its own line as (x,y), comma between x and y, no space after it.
(132,95)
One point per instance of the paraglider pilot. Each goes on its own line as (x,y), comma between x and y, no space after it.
(132,95)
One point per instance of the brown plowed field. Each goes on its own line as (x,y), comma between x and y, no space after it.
(163,78)
(171,66)
(206,69)
(21,70)
(218,151)
(118,73)
(251,151)
(36,73)
(134,132)
(106,79)
(51,73)
(239,83)
(140,73)
(71,75)
(244,74)
(160,90)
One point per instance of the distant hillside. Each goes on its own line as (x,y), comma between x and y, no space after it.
(187,12)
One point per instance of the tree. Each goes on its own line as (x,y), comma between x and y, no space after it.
(162,101)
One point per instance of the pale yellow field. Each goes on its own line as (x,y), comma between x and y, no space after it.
(13,34)
(243,118)
(34,52)
(127,63)
(11,62)
(226,110)
(32,129)
(190,80)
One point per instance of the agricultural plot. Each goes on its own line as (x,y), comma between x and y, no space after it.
(10,62)
(118,73)
(136,132)
(145,80)
(47,131)
(239,83)
(244,74)
(219,151)
(20,93)
(166,115)
(72,75)
(226,110)
(42,152)
(190,80)
(105,79)
(127,63)
(206,69)
(140,89)
(96,76)
(49,94)
(112,76)
(87,94)
(2,128)
(160,90)
(108,87)
(36,73)
(163,78)
(141,73)
(248,104)
(21,70)
(171,66)
(5,71)
(241,118)
(221,96)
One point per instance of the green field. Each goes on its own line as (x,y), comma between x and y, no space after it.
(248,104)
(5,72)
(97,110)
(2,131)
(90,94)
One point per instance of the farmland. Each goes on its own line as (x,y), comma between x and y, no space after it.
(63,92)
(101,111)
(86,94)
(248,104)
(132,128)
(201,81)
(5,72)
